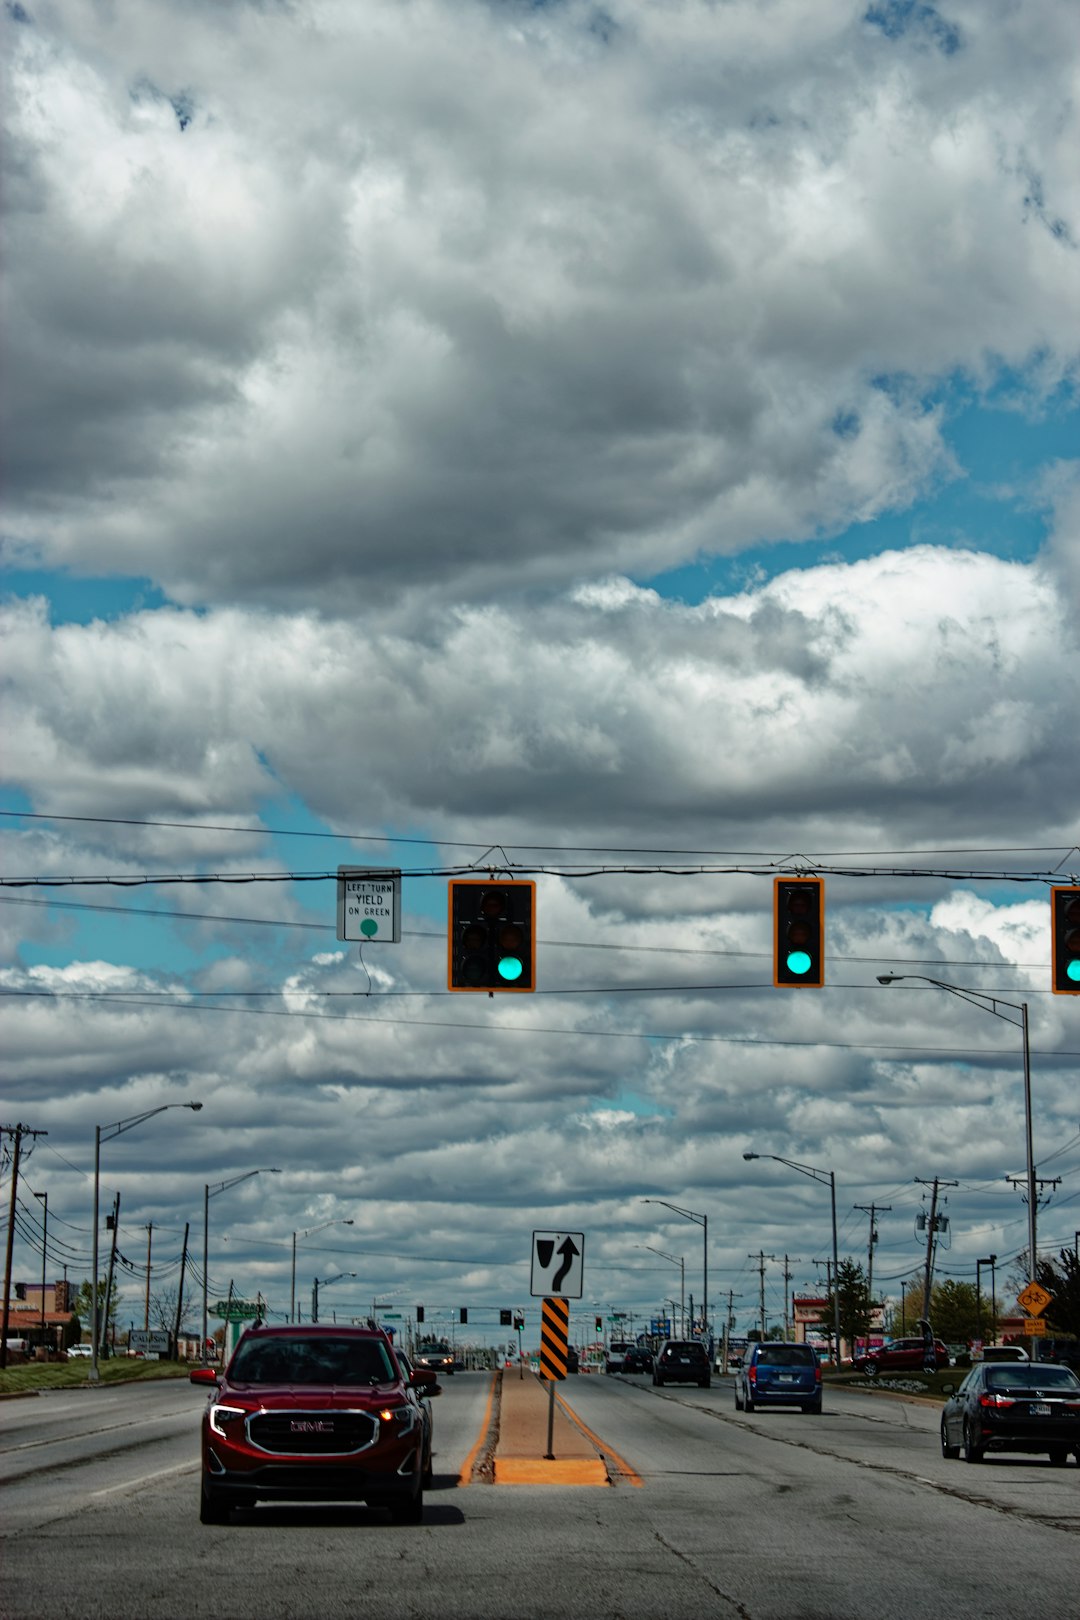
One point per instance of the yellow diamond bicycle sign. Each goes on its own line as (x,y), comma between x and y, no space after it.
(1034,1299)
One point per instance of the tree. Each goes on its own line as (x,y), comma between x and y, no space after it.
(854,1297)
(1061,1277)
(955,1312)
(84,1309)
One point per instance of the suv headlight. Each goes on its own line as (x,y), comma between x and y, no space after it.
(222,1416)
(404,1416)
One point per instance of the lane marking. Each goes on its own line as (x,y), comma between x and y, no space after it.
(607,1453)
(147,1479)
(465,1476)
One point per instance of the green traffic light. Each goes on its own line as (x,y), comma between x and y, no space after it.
(798,962)
(1072,970)
(510,967)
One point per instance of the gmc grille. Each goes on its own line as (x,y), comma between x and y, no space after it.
(312,1434)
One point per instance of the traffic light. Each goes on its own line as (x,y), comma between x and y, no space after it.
(491,934)
(599,1324)
(519,1322)
(464,1314)
(799,931)
(504,1318)
(1065,941)
(419,1313)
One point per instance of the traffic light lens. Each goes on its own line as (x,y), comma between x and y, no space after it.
(510,968)
(1073,971)
(798,962)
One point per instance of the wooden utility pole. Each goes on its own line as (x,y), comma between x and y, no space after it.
(17,1132)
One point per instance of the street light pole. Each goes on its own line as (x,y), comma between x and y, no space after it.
(106,1133)
(676,1260)
(315,1285)
(703,1222)
(830,1177)
(208,1193)
(309,1233)
(43,1199)
(992,1004)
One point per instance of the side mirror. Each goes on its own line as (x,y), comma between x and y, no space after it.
(426,1382)
(948,1389)
(204,1375)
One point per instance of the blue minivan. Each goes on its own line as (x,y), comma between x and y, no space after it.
(779,1375)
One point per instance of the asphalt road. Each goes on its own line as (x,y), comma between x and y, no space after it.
(769,1516)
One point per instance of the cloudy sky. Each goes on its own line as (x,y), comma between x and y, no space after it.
(634,445)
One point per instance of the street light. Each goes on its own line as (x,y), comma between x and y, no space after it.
(991,1004)
(105,1133)
(309,1233)
(208,1193)
(830,1177)
(315,1284)
(676,1260)
(44,1199)
(703,1222)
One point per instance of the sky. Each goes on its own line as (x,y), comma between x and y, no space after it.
(633,446)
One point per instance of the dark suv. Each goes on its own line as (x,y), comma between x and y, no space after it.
(683,1361)
(315,1414)
(779,1375)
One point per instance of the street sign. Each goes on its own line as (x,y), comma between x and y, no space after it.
(1034,1298)
(558,1264)
(1034,1327)
(234,1310)
(369,904)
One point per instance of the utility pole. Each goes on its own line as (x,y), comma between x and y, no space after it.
(146,1308)
(104,1313)
(17,1132)
(787,1278)
(761,1259)
(871,1210)
(729,1323)
(931,1235)
(180,1292)
(835,1298)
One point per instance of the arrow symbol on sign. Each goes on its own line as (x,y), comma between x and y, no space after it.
(569,1251)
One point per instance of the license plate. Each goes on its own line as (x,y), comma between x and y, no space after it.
(1040,1409)
(787,1378)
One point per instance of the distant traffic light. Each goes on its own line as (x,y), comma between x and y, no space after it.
(504,1318)
(419,1313)
(491,934)
(599,1324)
(799,931)
(464,1314)
(519,1323)
(1065,941)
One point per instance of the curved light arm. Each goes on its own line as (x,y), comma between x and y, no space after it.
(977,998)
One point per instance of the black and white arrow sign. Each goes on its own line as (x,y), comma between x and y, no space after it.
(558,1264)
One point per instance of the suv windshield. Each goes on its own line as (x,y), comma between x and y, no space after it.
(786,1355)
(311,1361)
(1038,1376)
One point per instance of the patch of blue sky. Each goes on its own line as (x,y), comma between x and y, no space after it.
(115,934)
(628,1102)
(1002,443)
(74,599)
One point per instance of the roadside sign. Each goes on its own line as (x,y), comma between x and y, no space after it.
(1034,1298)
(234,1310)
(554,1334)
(151,1340)
(369,904)
(1034,1326)
(558,1264)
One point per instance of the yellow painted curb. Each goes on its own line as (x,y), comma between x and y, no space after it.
(549,1471)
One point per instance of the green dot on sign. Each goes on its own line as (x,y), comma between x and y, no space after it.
(798,962)
(510,967)
(1073,971)
(369,927)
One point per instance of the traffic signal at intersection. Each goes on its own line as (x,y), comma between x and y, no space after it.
(799,931)
(491,934)
(1065,941)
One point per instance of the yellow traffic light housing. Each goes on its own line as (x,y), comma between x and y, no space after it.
(1065,941)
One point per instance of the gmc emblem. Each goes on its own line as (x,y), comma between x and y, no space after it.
(307,1426)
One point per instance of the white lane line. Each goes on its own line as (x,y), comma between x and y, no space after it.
(148,1479)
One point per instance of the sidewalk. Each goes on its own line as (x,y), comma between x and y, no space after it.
(521,1454)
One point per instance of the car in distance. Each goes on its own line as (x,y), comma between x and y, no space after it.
(779,1374)
(899,1355)
(436,1356)
(80,1352)
(616,1354)
(1004,1352)
(639,1359)
(315,1413)
(683,1361)
(1013,1406)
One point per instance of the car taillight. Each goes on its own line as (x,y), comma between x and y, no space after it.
(996,1400)
(817,1373)
(752,1375)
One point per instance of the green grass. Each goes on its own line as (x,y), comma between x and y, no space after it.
(37,1375)
(903,1383)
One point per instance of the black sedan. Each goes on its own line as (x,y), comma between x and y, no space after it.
(1021,1406)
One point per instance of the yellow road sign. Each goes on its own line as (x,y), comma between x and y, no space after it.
(1035,1326)
(1034,1299)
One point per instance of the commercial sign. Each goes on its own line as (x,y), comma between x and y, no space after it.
(369,904)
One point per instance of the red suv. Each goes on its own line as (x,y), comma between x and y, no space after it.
(317,1414)
(899,1355)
